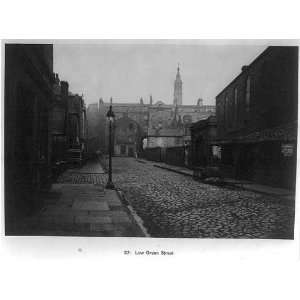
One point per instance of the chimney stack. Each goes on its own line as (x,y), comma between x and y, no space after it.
(200,102)
(244,68)
(64,88)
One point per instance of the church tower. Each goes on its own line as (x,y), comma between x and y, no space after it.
(177,89)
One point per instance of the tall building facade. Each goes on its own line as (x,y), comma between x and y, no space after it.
(257,119)
(178,89)
(27,101)
(68,124)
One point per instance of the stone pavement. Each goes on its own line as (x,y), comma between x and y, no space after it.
(243,184)
(82,209)
(91,167)
(264,189)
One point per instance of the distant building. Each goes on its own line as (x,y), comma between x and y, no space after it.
(257,119)
(176,119)
(27,150)
(68,124)
(166,138)
(126,134)
(96,129)
(59,114)
(76,129)
(156,120)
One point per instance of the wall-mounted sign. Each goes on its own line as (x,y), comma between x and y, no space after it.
(287,150)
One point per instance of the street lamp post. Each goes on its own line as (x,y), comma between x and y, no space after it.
(110,116)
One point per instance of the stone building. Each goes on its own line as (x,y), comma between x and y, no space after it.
(257,119)
(59,109)
(126,134)
(166,138)
(68,124)
(137,113)
(176,116)
(203,134)
(95,130)
(27,150)
(155,120)
(76,129)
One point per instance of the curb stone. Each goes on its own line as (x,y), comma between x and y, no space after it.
(133,213)
(173,170)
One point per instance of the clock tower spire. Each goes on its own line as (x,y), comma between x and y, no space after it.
(178,88)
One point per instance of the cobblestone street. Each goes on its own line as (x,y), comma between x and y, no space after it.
(174,205)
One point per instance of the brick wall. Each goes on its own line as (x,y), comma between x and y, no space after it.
(272,93)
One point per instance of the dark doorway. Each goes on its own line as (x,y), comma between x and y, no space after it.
(130,152)
(245,162)
(123,149)
(200,156)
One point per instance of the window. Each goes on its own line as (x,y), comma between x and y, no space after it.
(231,112)
(178,141)
(248,90)
(236,105)
(218,111)
(187,119)
(227,112)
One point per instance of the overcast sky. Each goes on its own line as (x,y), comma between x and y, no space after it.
(127,70)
